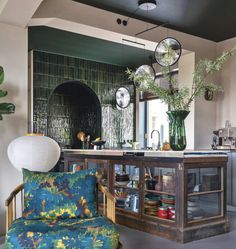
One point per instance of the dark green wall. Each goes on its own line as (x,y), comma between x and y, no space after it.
(86,47)
(51,70)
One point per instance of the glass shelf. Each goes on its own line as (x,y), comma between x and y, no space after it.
(125,187)
(159,192)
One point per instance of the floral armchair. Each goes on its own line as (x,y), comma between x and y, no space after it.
(61,211)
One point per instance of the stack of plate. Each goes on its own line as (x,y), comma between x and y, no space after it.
(151,207)
(167,200)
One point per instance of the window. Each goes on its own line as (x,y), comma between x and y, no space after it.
(152,116)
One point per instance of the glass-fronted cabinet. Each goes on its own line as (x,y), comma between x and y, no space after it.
(126,179)
(102,169)
(181,198)
(205,193)
(73,164)
(159,192)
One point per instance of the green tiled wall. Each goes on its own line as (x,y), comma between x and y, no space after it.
(51,70)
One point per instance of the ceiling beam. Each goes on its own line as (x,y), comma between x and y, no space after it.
(18,12)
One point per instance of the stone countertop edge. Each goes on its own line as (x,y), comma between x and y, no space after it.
(151,153)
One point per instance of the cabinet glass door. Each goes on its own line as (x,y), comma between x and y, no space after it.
(205,193)
(126,187)
(102,169)
(75,165)
(159,193)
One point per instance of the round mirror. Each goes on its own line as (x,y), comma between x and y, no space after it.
(144,74)
(168,52)
(122,97)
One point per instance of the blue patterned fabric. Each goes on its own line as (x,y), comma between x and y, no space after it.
(97,232)
(59,195)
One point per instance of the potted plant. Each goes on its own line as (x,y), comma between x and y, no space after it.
(5,108)
(178,98)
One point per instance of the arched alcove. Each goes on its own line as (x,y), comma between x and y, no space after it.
(73,107)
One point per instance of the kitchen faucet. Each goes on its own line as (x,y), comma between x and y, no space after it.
(159,137)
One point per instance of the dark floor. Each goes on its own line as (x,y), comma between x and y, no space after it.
(133,239)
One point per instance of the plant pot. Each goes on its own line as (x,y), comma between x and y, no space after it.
(177,129)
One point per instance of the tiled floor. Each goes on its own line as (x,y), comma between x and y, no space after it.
(133,239)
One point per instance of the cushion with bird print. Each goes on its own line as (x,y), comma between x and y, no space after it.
(59,195)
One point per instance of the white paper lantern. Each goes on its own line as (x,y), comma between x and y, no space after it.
(34,152)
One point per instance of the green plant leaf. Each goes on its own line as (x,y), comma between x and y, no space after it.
(3,93)
(180,98)
(7,108)
(1,75)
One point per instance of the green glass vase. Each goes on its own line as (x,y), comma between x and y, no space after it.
(177,129)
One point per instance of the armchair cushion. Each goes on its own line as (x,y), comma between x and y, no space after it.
(97,232)
(55,195)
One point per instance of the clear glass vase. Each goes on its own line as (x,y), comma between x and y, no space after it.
(177,129)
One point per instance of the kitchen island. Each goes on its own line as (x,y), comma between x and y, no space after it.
(180,195)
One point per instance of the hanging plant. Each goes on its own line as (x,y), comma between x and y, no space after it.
(5,108)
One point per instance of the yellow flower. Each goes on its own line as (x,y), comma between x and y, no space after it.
(43,214)
(60,245)
(30,234)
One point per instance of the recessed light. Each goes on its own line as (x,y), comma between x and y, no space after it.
(147,4)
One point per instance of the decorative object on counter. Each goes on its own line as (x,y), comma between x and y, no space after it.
(5,108)
(134,144)
(224,138)
(180,98)
(85,140)
(98,143)
(156,145)
(34,152)
(120,144)
(122,97)
(177,129)
(166,146)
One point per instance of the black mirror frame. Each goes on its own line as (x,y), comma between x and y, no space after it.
(180,48)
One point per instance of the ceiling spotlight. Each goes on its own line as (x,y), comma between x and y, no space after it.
(147,4)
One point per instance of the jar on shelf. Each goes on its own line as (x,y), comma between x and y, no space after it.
(162,212)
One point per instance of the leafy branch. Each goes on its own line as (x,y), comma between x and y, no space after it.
(181,98)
